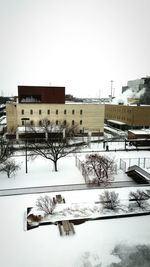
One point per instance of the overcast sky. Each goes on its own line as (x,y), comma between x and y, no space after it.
(79,44)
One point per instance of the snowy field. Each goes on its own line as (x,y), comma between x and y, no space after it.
(41,171)
(93,242)
(43,246)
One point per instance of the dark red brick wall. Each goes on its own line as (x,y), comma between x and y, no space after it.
(44,94)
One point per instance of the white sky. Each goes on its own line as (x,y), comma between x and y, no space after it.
(79,44)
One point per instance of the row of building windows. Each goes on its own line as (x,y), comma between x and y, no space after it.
(117,115)
(57,122)
(48,112)
(118,111)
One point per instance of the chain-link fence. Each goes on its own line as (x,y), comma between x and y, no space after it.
(80,166)
(125,163)
(89,176)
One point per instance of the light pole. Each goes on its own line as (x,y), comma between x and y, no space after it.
(25,119)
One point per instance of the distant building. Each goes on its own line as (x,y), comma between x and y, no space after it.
(2,125)
(139,134)
(38,103)
(136,88)
(124,88)
(127,117)
(4,99)
(2,110)
(139,137)
(136,85)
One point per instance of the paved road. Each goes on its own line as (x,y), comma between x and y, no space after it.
(59,188)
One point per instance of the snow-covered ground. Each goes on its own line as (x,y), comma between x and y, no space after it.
(44,246)
(93,241)
(41,173)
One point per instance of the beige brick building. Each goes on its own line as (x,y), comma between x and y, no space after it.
(89,117)
(36,103)
(132,116)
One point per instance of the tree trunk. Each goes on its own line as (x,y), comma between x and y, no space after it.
(55,166)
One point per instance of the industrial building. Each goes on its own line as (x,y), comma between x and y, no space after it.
(37,103)
(126,117)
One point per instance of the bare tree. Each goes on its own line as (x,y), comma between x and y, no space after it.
(5,150)
(45,204)
(59,141)
(139,197)
(100,168)
(110,199)
(10,167)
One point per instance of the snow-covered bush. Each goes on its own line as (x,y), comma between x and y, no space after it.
(110,199)
(10,167)
(99,169)
(138,199)
(45,204)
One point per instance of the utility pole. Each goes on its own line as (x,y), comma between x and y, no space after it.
(26,160)
(111,90)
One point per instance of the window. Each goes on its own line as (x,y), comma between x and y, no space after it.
(56,111)
(72,122)
(65,111)
(48,122)
(56,122)
(40,111)
(65,122)
(22,123)
(80,122)
(40,123)
(31,123)
(31,111)
(73,112)
(22,111)
(81,111)
(48,111)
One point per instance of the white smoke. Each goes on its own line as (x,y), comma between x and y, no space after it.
(128,94)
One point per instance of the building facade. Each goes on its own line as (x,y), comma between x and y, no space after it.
(132,117)
(137,91)
(41,94)
(88,117)
(137,85)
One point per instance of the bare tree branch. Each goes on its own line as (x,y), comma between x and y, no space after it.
(99,168)
(139,197)
(45,204)
(10,167)
(110,199)
(5,150)
(58,143)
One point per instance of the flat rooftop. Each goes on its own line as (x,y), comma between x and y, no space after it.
(117,122)
(140,132)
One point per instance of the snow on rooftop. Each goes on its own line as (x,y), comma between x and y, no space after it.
(142,131)
(3,121)
(83,103)
(22,129)
(117,122)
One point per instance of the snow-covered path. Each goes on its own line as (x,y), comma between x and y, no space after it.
(59,188)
